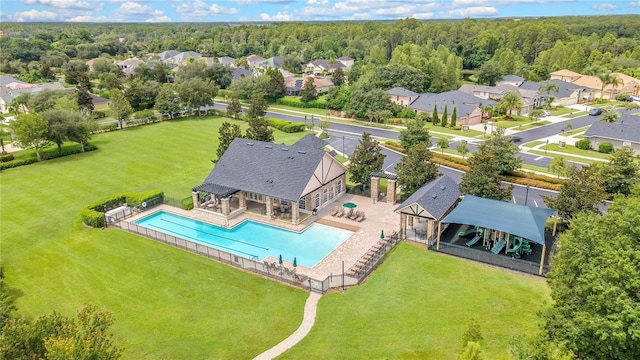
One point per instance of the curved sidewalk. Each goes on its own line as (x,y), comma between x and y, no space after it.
(308,320)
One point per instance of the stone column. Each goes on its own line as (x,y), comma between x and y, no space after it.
(375,188)
(403,226)
(269,203)
(196,199)
(226,208)
(391,191)
(295,213)
(242,200)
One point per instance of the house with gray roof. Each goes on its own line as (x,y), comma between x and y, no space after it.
(240,72)
(420,213)
(514,80)
(274,179)
(624,132)
(274,62)
(10,88)
(182,57)
(468,107)
(402,96)
(166,55)
(227,60)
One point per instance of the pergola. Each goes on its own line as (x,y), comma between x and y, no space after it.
(525,221)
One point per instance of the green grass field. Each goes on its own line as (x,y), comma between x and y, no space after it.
(417,305)
(168,303)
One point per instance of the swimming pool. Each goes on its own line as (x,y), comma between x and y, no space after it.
(251,239)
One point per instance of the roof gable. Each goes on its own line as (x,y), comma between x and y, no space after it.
(400,91)
(435,197)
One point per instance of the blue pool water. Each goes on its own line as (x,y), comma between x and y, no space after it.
(250,239)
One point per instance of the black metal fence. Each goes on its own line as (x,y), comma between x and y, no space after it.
(485,257)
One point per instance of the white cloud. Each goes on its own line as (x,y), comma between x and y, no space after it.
(424,15)
(63,4)
(474,11)
(634,4)
(34,15)
(88,18)
(135,11)
(199,8)
(280,16)
(604,7)
(251,2)
(159,19)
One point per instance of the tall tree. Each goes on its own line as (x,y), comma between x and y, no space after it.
(489,73)
(594,284)
(257,106)
(62,124)
(415,133)
(582,192)
(416,169)
(83,97)
(483,178)
(363,101)
(259,130)
(503,150)
(168,102)
(435,119)
(463,148)
(621,173)
(196,93)
(275,88)
(547,88)
(511,101)
(454,117)
(606,78)
(558,166)
(226,134)
(119,108)
(366,159)
(338,77)
(445,117)
(308,91)
(31,131)
(233,105)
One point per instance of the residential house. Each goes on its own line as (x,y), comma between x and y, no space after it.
(319,67)
(270,178)
(241,72)
(468,107)
(274,62)
(567,94)
(99,103)
(183,57)
(129,65)
(227,60)
(293,85)
(166,55)
(254,61)
(514,80)
(624,132)
(10,88)
(565,75)
(402,96)
(347,61)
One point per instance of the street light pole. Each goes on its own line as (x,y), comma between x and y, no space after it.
(526,196)
(343,154)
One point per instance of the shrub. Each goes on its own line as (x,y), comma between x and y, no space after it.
(295,102)
(12,164)
(108,127)
(294,128)
(187,203)
(407,113)
(6,158)
(583,144)
(98,114)
(286,126)
(324,136)
(48,155)
(93,214)
(605,148)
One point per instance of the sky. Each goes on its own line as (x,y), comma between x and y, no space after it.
(297,10)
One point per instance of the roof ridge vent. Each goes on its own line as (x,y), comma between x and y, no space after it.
(301,152)
(268,146)
(434,196)
(442,187)
(250,143)
(284,149)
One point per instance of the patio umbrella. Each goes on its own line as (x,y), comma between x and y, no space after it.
(382,234)
(295,263)
(280,260)
(349,205)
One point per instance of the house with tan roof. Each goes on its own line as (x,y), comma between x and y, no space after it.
(322,66)
(255,61)
(293,85)
(565,75)
(626,84)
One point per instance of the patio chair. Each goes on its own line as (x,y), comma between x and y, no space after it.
(340,213)
(361,218)
(335,211)
(354,215)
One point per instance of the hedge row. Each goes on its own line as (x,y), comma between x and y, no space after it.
(295,102)
(286,126)
(48,155)
(93,214)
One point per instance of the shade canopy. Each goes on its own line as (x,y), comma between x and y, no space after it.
(520,220)
(349,205)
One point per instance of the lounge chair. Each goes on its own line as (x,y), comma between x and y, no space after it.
(354,215)
(340,213)
(361,217)
(335,211)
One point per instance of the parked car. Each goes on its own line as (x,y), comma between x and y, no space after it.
(546,113)
(595,111)
(515,138)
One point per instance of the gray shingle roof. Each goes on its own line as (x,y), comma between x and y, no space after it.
(241,72)
(436,196)
(267,168)
(226,60)
(168,54)
(565,89)
(627,128)
(465,103)
(400,91)
(512,78)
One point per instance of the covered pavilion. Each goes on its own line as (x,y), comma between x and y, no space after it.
(501,219)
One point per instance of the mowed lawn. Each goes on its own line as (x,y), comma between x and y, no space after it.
(168,303)
(418,304)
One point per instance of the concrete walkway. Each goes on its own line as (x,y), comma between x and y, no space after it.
(308,320)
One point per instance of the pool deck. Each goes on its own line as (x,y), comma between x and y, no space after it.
(379,216)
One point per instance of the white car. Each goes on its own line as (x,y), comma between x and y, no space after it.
(546,113)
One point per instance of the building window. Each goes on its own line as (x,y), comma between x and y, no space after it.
(316,200)
(331,193)
(284,202)
(253,196)
(325,196)
(339,187)
(302,203)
